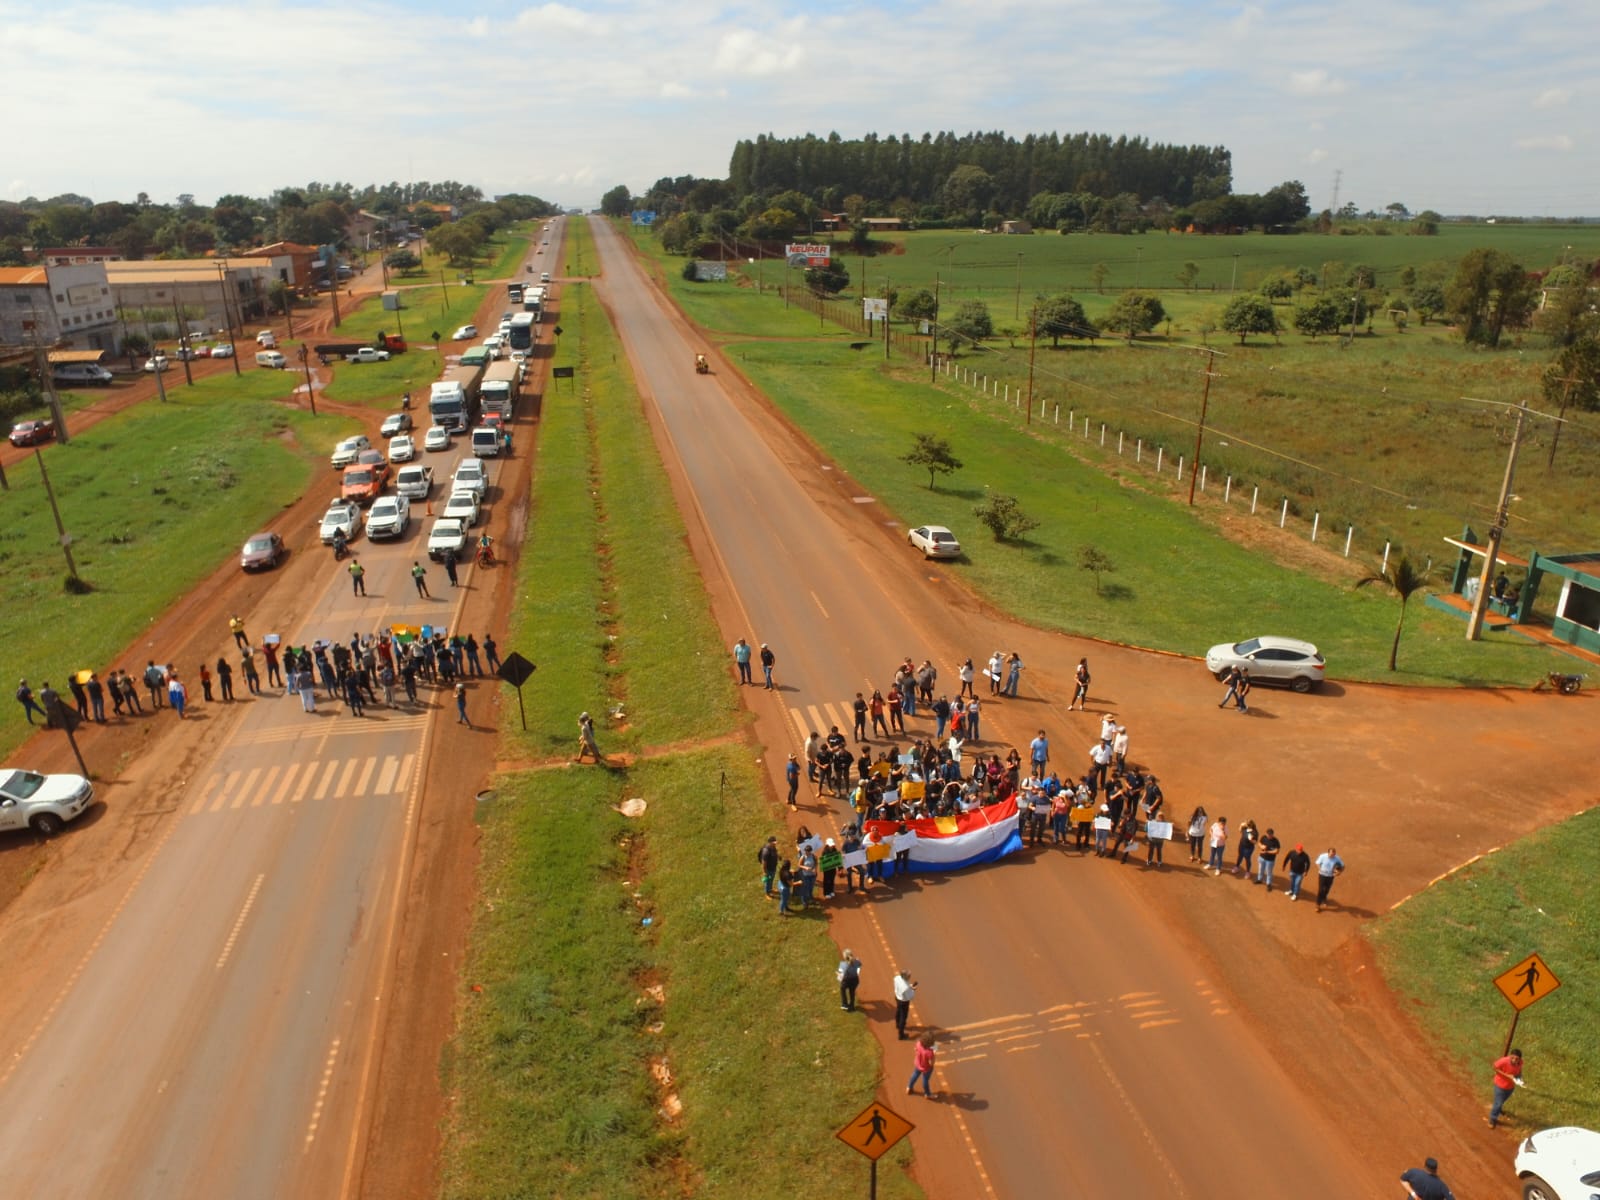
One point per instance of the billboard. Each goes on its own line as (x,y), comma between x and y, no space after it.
(874,309)
(644,216)
(806,254)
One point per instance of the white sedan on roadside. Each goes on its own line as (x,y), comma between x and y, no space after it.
(437,438)
(402,448)
(465,333)
(935,541)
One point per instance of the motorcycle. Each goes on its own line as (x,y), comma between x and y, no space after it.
(485,556)
(1561,681)
(340,547)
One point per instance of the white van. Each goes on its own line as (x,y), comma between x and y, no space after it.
(78,374)
(271,358)
(486,442)
(267,340)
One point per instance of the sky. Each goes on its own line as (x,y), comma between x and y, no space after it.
(1463,107)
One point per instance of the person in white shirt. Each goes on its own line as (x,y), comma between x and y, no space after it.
(905,990)
(1119,747)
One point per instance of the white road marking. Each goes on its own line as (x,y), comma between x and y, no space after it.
(238,924)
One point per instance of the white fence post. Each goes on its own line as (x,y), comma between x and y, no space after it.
(1255,494)
(1102,433)
(1160,450)
(1316,520)
(1348,534)
(1120,436)
(1138,450)
(1227,489)
(1385,566)
(1180,466)
(1058,411)
(1284,515)
(1202,477)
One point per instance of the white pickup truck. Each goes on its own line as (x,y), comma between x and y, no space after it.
(414,482)
(368,354)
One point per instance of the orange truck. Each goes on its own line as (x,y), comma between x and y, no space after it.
(364,482)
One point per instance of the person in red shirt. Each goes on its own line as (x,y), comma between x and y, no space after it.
(1507,1079)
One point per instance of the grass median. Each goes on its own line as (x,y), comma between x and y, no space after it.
(620,968)
(1444,947)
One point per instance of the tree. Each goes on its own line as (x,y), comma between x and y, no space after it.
(1002,516)
(1489,291)
(618,202)
(1096,562)
(1568,312)
(831,279)
(1402,578)
(1572,380)
(967,190)
(456,240)
(1188,273)
(932,454)
(919,305)
(1061,316)
(1098,273)
(1318,316)
(1277,287)
(1427,301)
(1134,313)
(1247,314)
(969,323)
(1427,223)
(403,260)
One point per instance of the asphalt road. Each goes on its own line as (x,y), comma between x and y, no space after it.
(217,1035)
(1084,1050)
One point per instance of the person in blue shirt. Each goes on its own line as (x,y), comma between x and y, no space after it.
(1329,864)
(1424,1183)
(741,657)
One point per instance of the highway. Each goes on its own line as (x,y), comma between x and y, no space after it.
(1085,1050)
(216,1033)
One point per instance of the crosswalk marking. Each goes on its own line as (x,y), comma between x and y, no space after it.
(258,798)
(333,779)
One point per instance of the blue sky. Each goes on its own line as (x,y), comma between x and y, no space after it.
(1469,106)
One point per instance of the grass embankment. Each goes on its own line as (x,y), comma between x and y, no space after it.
(155,497)
(562,1022)
(429,308)
(1443,949)
(1178,585)
(1378,436)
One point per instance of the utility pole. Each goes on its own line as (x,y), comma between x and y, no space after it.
(933,341)
(1200,429)
(227,314)
(311,394)
(66,538)
(1033,349)
(185,347)
(1561,418)
(1234,282)
(41,363)
(1497,530)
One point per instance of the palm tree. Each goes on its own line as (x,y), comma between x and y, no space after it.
(1402,578)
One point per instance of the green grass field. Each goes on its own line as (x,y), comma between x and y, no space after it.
(573,997)
(1443,949)
(155,497)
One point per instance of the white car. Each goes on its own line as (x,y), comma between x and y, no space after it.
(465,334)
(156,362)
(935,541)
(222,350)
(544,276)
(1559,1164)
(389,517)
(471,477)
(395,423)
(447,534)
(347,451)
(1270,659)
(463,507)
(402,448)
(42,803)
(342,514)
(437,438)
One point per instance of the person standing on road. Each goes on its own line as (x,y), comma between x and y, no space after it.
(1507,1079)
(974,713)
(1197,832)
(461,705)
(130,695)
(996,672)
(471,648)
(97,697)
(491,652)
(1243,690)
(831,860)
(352,693)
(449,559)
(741,659)
(269,653)
(1013,674)
(905,991)
(1039,754)
(1247,849)
(1080,686)
(419,576)
(922,1062)
(767,856)
(768,661)
(29,704)
(858,709)
(1297,864)
(791,776)
(1217,838)
(1329,864)
(306,684)
(1232,680)
(177,694)
(358,577)
(849,975)
(1268,849)
(252,677)
(236,627)
(875,709)
(386,678)
(156,680)
(1424,1183)
(80,697)
(896,706)
(966,674)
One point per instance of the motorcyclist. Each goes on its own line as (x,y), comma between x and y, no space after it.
(340,543)
(485,548)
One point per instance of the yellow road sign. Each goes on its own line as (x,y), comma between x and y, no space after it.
(1528,981)
(875,1130)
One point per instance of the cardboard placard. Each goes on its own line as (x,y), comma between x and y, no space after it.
(1083,812)
(1103,823)
(855,858)
(1159,831)
(878,853)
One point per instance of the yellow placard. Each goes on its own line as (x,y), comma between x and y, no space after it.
(879,852)
(1083,812)
(1527,982)
(875,1130)
(912,789)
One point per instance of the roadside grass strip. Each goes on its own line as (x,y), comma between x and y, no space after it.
(155,497)
(1443,948)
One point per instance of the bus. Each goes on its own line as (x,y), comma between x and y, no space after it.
(522,330)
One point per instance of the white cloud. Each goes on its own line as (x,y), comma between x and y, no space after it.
(478,27)
(1546,141)
(1553,98)
(676,91)
(746,52)
(558,17)
(1316,82)
(1316,156)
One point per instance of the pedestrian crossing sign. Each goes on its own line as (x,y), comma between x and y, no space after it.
(1529,981)
(875,1130)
